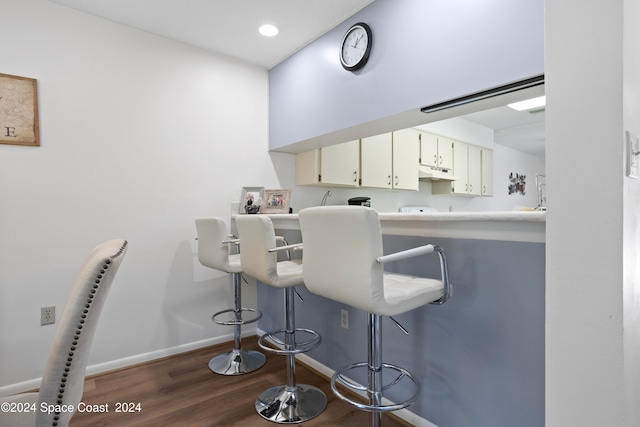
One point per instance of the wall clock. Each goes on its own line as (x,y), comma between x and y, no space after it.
(356,47)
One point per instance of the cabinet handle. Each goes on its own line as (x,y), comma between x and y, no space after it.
(435,159)
(397,180)
(470,188)
(389,180)
(440,159)
(466,188)
(355,176)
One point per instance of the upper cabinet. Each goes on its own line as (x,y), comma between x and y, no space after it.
(406,148)
(487,172)
(389,161)
(337,165)
(436,151)
(376,161)
(392,160)
(469,171)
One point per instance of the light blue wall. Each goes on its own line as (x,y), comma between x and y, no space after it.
(424,52)
(479,357)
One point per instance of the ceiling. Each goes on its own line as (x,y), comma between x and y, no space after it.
(230,27)
(520,130)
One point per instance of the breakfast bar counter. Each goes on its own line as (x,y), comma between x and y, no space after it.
(511,226)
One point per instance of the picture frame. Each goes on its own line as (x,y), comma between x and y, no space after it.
(19,124)
(251,200)
(276,201)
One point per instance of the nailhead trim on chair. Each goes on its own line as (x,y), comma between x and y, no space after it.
(76,337)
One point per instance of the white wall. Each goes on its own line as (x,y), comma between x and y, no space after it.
(422,54)
(631,208)
(140,135)
(586,327)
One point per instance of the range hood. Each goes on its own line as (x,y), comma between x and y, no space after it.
(425,173)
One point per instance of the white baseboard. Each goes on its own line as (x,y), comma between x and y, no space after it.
(129,361)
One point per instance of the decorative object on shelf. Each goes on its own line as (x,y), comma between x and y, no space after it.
(251,200)
(276,202)
(517,183)
(356,47)
(19,111)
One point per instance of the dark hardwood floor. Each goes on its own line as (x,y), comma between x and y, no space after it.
(182,391)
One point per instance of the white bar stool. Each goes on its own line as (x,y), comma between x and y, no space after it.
(289,403)
(343,261)
(213,252)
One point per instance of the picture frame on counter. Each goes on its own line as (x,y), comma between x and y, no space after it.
(276,201)
(251,200)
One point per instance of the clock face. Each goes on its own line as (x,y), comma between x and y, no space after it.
(356,46)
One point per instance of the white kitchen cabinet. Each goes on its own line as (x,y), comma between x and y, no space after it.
(337,165)
(487,172)
(376,165)
(468,170)
(406,152)
(436,151)
(390,160)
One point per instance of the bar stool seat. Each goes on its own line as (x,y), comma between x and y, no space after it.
(289,403)
(343,261)
(213,252)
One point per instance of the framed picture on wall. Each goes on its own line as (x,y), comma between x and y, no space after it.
(276,202)
(19,111)
(251,200)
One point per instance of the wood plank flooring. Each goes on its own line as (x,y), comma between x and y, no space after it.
(182,391)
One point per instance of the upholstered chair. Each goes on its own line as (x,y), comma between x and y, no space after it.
(63,379)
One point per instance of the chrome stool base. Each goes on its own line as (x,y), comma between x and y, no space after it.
(402,379)
(291,405)
(237,362)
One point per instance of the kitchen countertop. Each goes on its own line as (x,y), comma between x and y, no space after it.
(515,226)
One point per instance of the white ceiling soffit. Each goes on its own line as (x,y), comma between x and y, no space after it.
(229,27)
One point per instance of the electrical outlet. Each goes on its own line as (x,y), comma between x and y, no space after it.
(344,319)
(48,315)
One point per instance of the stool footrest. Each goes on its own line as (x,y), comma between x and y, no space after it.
(401,373)
(295,348)
(241,321)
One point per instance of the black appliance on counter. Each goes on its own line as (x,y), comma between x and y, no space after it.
(360,201)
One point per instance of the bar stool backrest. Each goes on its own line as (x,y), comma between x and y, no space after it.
(212,252)
(257,236)
(340,247)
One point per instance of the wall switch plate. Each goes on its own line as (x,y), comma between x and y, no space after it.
(633,155)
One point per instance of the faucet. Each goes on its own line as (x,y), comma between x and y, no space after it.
(324,199)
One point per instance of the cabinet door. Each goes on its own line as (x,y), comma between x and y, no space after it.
(445,153)
(475,170)
(376,161)
(340,164)
(308,168)
(428,149)
(487,172)
(460,168)
(406,147)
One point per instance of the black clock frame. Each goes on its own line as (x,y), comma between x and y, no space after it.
(367,52)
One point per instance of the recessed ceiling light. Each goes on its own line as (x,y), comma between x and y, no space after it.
(268,30)
(529,103)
